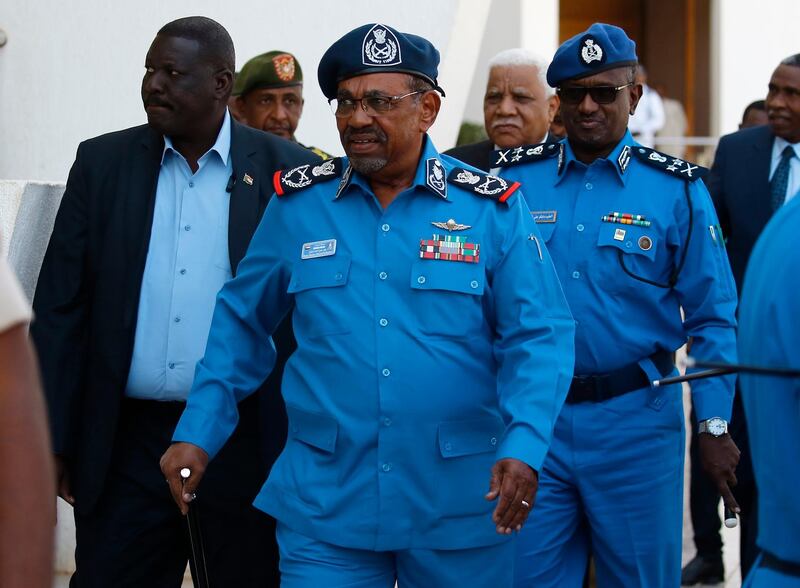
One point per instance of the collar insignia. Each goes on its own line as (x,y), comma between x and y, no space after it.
(624,158)
(434,177)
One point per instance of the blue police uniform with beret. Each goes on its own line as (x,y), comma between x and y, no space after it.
(768,336)
(432,340)
(635,241)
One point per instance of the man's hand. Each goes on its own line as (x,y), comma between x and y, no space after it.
(514,482)
(720,457)
(62,480)
(176,458)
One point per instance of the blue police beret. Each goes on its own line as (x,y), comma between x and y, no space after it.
(376,48)
(600,48)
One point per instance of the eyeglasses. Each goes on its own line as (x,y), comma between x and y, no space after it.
(600,94)
(372,105)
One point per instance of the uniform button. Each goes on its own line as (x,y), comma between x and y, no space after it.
(187,228)
(385,228)
(580,228)
(383,275)
(448,446)
(473,284)
(576,275)
(191,184)
(383,322)
(421,280)
(387,422)
(589,185)
(387,467)
(177,319)
(628,244)
(171,365)
(493,440)
(386,372)
(183,271)
(338,276)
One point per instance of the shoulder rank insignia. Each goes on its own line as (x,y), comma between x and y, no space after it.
(524,154)
(492,187)
(673,165)
(302,176)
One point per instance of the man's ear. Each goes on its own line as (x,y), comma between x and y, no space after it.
(430,103)
(553,102)
(223,83)
(634,93)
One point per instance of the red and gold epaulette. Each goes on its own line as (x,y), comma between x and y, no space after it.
(482,184)
(287,181)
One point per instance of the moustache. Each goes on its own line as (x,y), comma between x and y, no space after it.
(505,122)
(157,102)
(364,134)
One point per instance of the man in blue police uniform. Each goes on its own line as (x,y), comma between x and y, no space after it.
(435,346)
(634,239)
(768,336)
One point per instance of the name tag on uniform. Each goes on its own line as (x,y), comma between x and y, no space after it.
(318,249)
(544,216)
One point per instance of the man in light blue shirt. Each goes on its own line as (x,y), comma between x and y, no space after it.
(153,221)
(434,345)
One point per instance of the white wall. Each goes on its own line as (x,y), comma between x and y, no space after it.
(72,70)
(748,41)
(532,24)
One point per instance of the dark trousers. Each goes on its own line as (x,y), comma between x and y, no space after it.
(704,498)
(136,536)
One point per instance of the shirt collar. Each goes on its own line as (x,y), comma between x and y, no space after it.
(431,175)
(618,159)
(222,145)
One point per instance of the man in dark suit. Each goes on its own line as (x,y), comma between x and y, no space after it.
(153,221)
(518,107)
(755,170)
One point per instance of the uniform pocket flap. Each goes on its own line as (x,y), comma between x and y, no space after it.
(546,229)
(317,430)
(470,437)
(455,276)
(322,272)
(628,239)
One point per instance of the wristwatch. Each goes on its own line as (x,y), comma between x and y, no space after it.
(714,426)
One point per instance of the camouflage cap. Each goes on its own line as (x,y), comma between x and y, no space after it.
(269,70)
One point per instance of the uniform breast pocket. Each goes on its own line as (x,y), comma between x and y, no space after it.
(447,297)
(629,256)
(320,293)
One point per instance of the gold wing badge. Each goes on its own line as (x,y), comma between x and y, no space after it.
(451,225)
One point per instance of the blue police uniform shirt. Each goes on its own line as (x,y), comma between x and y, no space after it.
(768,336)
(621,320)
(412,375)
(187,263)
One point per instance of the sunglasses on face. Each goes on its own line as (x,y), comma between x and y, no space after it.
(599,94)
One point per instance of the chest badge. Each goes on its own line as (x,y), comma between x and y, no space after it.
(450,248)
(316,249)
(619,235)
(451,225)
(624,218)
(645,243)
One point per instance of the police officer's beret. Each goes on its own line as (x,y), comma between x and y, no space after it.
(269,70)
(376,48)
(600,48)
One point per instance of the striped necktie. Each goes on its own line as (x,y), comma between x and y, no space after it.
(780,179)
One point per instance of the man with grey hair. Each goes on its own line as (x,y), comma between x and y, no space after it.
(517,108)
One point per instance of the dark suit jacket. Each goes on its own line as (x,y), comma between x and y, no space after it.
(478,155)
(739,187)
(87,297)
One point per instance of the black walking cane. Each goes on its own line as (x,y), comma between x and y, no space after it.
(718,368)
(196,541)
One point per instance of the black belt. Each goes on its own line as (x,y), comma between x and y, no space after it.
(771,562)
(600,387)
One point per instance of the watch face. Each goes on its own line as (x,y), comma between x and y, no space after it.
(716,427)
